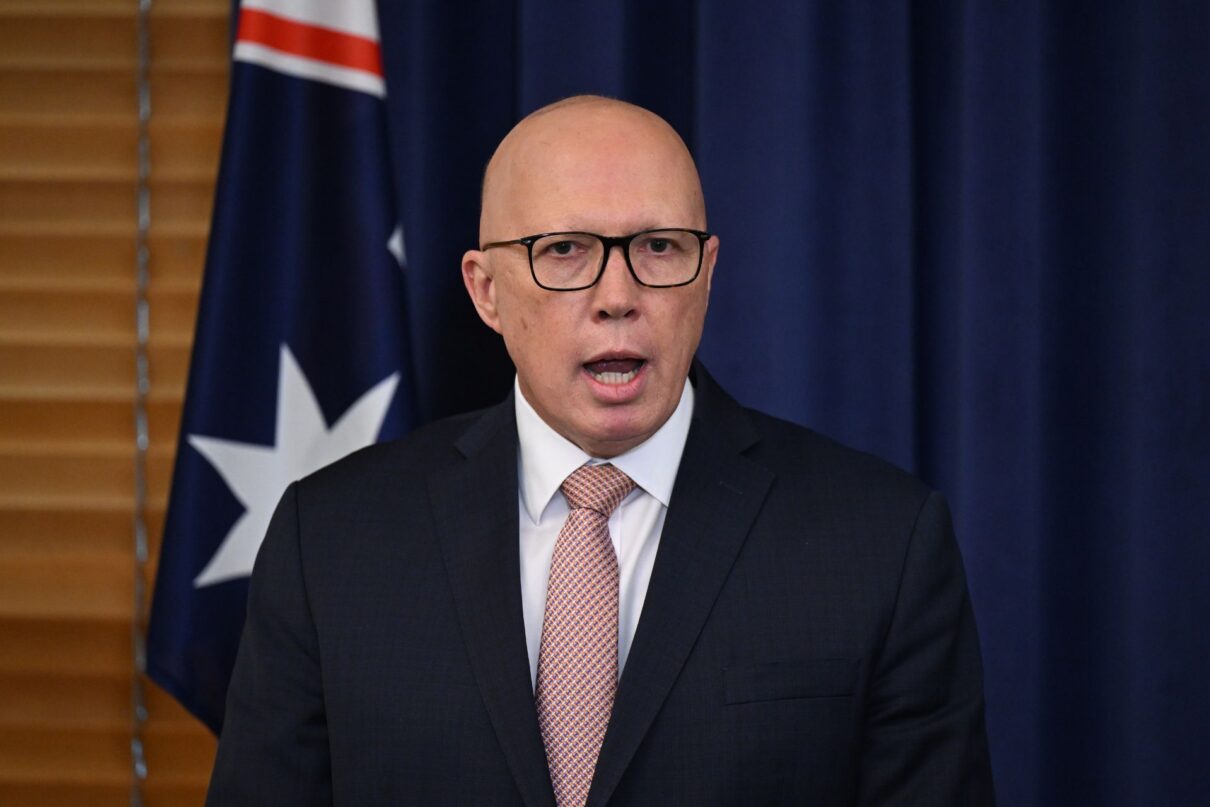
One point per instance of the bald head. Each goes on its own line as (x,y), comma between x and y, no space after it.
(583,145)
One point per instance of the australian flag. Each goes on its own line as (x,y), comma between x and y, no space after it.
(302,352)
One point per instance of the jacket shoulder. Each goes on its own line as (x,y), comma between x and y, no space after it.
(802,456)
(419,453)
(816,468)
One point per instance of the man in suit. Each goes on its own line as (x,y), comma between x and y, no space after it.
(618,586)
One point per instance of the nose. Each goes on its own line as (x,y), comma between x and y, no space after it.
(617,292)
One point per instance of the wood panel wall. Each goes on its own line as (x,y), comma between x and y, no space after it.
(68,137)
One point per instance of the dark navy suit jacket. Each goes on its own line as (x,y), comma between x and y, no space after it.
(807,637)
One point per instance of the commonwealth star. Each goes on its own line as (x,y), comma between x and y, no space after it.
(258,475)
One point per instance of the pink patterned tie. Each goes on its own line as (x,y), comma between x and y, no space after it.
(578,659)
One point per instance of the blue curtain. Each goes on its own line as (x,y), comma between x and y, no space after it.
(972,238)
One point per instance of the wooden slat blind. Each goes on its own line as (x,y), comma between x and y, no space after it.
(68,134)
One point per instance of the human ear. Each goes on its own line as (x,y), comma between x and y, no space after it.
(481,286)
(709,258)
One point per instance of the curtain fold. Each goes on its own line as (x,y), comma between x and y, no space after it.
(971,238)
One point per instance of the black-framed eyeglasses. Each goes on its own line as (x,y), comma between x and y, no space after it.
(571,261)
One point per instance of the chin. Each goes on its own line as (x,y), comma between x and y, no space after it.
(612,442)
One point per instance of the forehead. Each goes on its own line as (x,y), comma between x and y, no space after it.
(613,169)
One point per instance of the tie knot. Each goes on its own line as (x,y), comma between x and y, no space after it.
(596,487)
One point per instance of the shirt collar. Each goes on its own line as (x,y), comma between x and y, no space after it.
(547,458)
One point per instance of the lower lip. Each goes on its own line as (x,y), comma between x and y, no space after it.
(617,393)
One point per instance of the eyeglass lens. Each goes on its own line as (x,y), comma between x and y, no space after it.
(573,260)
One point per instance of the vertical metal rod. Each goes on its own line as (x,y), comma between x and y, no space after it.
(142,314)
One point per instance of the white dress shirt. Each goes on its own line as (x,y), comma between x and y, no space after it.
(544,460)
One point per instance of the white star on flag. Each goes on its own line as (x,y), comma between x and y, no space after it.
(258,475)
(395,245)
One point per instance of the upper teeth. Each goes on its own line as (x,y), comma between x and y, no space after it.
(615,378)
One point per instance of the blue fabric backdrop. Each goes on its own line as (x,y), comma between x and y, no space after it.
(971,238)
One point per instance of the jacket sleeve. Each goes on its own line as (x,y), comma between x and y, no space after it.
(924,738)
(274,743)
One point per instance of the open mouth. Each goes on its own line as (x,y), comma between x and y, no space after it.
(614,370)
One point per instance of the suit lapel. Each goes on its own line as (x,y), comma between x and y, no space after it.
(475,507)
(717,495)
